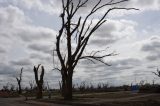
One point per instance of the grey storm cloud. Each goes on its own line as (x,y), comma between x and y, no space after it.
(21,62)
(152,48)
(7,69)
(29,34)
(38,56)
(2,50)
(151,66)
(117,65)
(117,68)
(153,57)
(128,61)
(40,48)
(45,58)
(102,42)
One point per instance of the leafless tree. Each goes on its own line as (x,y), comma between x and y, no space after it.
(31,84)
(49,90)
(12,87)
(78,32)
(19,80)
(39,81)
(6,87)
(60,87)
(157,73)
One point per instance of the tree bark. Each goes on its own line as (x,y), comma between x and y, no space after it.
(39,93)
(19,80)
(40,81)
(67,87)
(19,90)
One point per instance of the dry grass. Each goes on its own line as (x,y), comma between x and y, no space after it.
(108,95)
(110,99)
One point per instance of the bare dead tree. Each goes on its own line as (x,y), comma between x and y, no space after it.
(12,87)
(31,84)
(19,80)
(157,73)
(49,90)
(6,87)
(60,87)
(82,31)
(39,81)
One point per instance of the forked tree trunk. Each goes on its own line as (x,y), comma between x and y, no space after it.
(19,80)
(39,82)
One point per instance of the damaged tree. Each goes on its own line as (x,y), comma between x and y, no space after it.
(19,80)
(40,81)
(157,73)
(75,34)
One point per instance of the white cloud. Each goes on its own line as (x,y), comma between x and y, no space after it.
(11,15)
(146,4)
(47,6)
(113,31)
(16,33)
(14,25)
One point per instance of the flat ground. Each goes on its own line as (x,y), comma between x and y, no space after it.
(90,99)
(111,99)
(20,102)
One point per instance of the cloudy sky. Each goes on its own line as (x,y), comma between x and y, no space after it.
(28,30)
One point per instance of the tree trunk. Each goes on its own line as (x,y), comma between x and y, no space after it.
(67,88)
(39,82)
(39,93)
(19,90)
(63,86)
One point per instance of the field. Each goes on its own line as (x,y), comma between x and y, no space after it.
(123,98)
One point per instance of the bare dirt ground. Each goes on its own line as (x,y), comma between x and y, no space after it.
(139,100)
(90,99)
(12,102)
(126,99)
(21,102)
(111,99)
